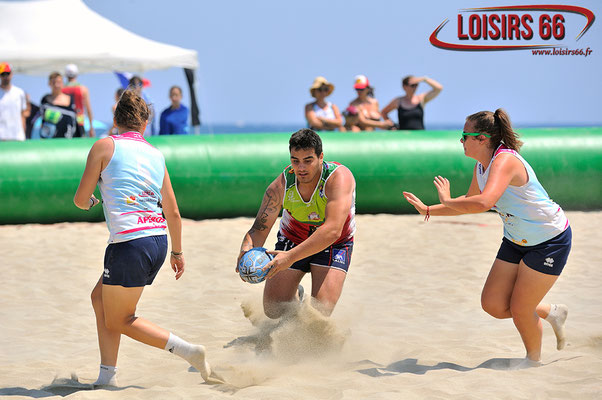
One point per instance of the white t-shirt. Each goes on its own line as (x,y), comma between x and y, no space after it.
(12,104)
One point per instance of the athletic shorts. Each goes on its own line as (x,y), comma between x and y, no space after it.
(134,263)
(548,257)
(337,256)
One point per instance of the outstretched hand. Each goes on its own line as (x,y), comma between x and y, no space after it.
(443,188)
(415,201)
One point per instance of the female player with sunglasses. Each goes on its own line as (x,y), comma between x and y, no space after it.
(537,235)
(410,108)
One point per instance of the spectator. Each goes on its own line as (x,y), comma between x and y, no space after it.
(136,84)
(13,106)
(410,108)
(362,113)
(33,113)
(118,93)
(174,119)
(321,114)
(81,96)
(59,118)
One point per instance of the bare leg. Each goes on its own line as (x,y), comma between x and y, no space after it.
(326,287)
(119,305)
(530,288)
(495,298)
(279,291)
(108,340)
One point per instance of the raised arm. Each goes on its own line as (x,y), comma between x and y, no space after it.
(98,158)
(436,88)
(267,215)
(174,225)
(339,191)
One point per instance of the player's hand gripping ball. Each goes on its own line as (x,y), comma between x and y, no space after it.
(251,266)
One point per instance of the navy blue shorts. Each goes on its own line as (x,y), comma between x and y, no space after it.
(337,256)
(134,263)
(548,257)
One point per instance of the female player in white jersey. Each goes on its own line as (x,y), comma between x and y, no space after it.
(136,193)
(537,235)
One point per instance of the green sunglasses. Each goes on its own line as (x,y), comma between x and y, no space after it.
(464,134)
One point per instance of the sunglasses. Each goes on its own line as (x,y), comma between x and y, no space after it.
(360,89)
(5,74)
(323,89)
(464,135)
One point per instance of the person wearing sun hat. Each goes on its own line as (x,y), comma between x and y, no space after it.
(322,115)
(13,106)
(363,112)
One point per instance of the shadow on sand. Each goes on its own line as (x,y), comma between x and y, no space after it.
(411,366)
(59,387)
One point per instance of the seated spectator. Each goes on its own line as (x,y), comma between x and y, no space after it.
(363,112)
(410,108)
(174,119)
(322,115)
(57,109)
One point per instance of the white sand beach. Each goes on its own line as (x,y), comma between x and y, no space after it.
(408,325)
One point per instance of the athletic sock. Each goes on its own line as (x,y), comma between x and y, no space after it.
(556,318)
(194,354)
(106,376)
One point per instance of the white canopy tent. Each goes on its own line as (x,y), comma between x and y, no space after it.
(40,36)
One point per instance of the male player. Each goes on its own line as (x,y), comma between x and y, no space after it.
(316,230)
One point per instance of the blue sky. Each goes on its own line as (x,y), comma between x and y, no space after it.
(258,59)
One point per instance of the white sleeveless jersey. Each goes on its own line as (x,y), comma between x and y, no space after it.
(530,217)
(131,189)
(327,113)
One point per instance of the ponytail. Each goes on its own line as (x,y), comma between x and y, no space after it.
(497,124)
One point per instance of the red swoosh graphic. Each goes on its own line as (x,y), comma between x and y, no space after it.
(553,7)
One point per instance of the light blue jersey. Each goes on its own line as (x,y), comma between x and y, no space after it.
(530,217)
(131,189)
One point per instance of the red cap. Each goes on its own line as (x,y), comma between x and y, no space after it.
(361,82)
(5,67)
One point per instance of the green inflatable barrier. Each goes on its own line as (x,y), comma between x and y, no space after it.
(226,175)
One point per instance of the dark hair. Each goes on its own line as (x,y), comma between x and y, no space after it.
(497,124)
(175,87)
(131,111)
(135,81)
(53,76)
(406,80)
(119,92)
(305,139)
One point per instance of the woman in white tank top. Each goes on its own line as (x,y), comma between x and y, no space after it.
(137,193)
(537,236)
(322,115)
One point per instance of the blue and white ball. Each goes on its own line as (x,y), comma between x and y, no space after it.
(251,266)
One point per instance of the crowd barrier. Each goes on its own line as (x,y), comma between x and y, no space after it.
(220,176)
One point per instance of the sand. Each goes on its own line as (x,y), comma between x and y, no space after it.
(408,324)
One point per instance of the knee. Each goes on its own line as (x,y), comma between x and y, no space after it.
(117,323)
(520,311)
(495,308)
(273,310)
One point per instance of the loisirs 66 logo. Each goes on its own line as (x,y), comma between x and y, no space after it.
(519,27)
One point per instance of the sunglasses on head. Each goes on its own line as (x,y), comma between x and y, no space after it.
(464,135)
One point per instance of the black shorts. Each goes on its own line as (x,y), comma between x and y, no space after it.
(337,256)
(548,257)
(134,263)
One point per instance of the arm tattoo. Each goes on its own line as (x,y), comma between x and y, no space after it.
(269,205)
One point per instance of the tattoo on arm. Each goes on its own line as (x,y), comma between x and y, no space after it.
(269,205)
